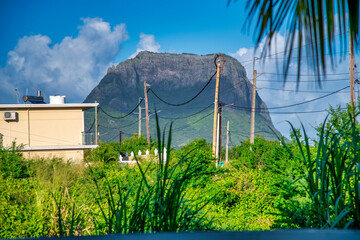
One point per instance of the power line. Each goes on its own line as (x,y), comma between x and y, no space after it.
(208,82)
(190,100)
(285,51)
(311,43)
(286,106)
(182,117)
(288,90)
(300,112)
(305,75)
(133,110)
(92,125)
(192,123)
(287,81)
(236,85)
(306,56)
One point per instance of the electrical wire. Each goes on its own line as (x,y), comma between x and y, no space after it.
(182,117)
(190,100)
(289,90)
(236,85)
(285,51)
(192,123)
(91,126)
(133,110)
(305,75)
(286,106)
(287,81)
(193,98)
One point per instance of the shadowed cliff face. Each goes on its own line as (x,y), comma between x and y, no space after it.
(175,78)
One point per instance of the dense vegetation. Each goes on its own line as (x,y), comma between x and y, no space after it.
(302,184)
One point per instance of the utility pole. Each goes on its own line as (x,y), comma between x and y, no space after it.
(217,137)
(120,138)
(139,118)
(147,115)
(216,106)
(227,142)
(351,70)
(252,120)
(220,132)
(96,124)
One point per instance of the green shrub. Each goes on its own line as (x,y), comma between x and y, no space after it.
(12,163)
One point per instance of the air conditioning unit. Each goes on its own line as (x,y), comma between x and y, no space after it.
(10,116)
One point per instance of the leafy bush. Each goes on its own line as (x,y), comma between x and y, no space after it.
(199,152)
(12,164)
(136,143)
(105,152)
(282,174)
(109,151)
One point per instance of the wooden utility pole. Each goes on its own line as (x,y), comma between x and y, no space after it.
(96,124)
(139,117)
(351,70)
(217,137)
(147,114)
(216,106)
(227,142)
(252,120)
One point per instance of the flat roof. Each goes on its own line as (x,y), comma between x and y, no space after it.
(83,106)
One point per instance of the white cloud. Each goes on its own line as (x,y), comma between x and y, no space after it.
(72,67)
(278,98)
(146,43)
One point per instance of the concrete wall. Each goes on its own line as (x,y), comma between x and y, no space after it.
(43,127)
(38,127)
(73,155)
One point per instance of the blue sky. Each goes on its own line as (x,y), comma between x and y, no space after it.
(65,47)
(180,26)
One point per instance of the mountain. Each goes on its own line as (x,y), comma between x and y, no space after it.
(176,78)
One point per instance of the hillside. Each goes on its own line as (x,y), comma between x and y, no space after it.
(176,78)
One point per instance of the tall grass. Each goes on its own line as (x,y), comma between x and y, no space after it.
(155,204)
(333,174)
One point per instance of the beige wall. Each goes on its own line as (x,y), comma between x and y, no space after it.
(38,127)
(73,155)
(43,127)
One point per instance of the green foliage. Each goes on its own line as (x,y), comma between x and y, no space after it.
(19,214)
(333,173)
(12,163)
(136,143)
(199,152)
(106,152)
(271,168)
(270,156)
(270,187)
(243,200)
(109,151)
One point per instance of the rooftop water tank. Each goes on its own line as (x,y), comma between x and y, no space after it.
(57,99)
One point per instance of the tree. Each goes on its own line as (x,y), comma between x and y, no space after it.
(311,23)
